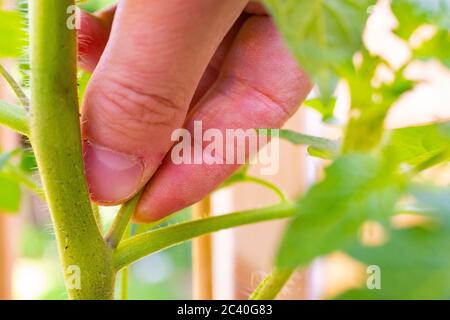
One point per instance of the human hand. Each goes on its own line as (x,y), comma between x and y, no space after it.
(167,64)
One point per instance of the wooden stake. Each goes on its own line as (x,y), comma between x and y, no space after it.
(8,230)
(202,256)
(6,258)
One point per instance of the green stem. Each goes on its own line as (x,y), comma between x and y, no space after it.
(97,215)
(15,86)
(125,272)
(14,117)
(25,180)
(124,284)
(121,221)
(431,162)
(318,146)
(271,286)
(56,140)
(143,244)
(268,185)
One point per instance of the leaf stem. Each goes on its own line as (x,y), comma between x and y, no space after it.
(15,86)
(125,272)
(271,286)
(143,244)
(242,176)
(25,180)
(318,146)
(120,223)
(14,117)
(124,283)
(268,185)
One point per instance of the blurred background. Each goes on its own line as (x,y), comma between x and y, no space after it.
(29,267)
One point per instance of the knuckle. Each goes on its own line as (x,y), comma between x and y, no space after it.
(271,103)
(130,110)
(85,43)
(86,36)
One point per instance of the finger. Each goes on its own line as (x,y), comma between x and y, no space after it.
(94,33)
(212,70)
(142,86)
(93,37)
(256,8)
(260,86)
(95,29)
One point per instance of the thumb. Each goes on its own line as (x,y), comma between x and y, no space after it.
(141,89)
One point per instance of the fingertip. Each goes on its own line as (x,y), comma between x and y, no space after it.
(112,177)
(145,214)
(148,211)
(142,217)
(165,194)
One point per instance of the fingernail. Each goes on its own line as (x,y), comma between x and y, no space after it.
(112,176)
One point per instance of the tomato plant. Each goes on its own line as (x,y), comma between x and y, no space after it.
(372,172)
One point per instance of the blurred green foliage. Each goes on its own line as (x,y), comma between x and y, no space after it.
(323,35)
(9,194)
(94,5)
(376,169)
(356,188)
(13,34)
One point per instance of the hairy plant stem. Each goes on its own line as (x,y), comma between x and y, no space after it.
(56,140)
(271,286)
(149,242)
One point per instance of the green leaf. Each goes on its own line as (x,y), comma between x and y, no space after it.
(9,194)
(421,146)
(392,91)
(95,5)
(317,146)
(323,35)
(14,117)
(413,13)
(370,103)
(356,188)
(24,59)
(28,162)
(435,199)
(325,109)
(414,264)
(6,156)
(13,36)
(83,80)
(437,48)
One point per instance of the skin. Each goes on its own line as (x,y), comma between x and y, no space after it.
(161,65)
